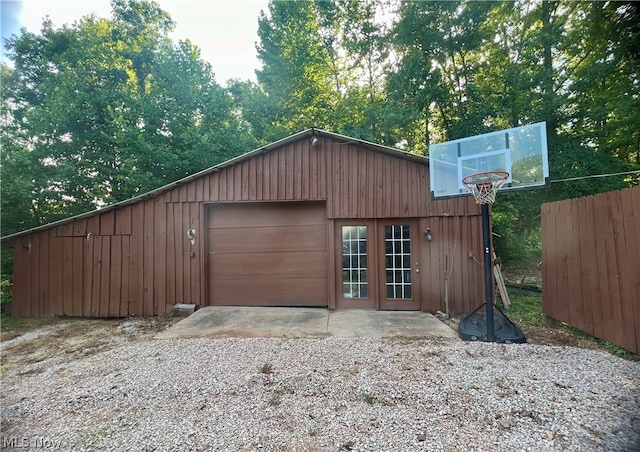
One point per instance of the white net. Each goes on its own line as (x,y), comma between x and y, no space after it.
(484,186)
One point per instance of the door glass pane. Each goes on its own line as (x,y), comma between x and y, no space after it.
(398,261)
(354,262)
(390,291)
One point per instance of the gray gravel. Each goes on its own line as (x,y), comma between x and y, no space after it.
(325,394)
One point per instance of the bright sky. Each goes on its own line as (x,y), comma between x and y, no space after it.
(225,30)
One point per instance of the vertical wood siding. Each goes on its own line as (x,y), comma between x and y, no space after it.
(447,256)
(591,265)
(137,260)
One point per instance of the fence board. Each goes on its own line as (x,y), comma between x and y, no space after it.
(631,206)
(574,279)
(548,260)
(626,271)
(606,256)
(590,265)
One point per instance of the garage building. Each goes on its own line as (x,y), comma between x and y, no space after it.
(316,219)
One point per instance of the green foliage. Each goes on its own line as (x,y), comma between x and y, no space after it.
(6,279)
(6,292)
(106,109)
(504,221)
(298,66)
(526,310)
(369,399)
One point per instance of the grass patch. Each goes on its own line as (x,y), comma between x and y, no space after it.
(15,326)
(369,399)
(526,309)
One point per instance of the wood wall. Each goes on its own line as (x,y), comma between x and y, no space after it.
(454,258)
(591,265)
(137,259)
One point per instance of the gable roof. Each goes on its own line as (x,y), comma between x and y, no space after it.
(305,134)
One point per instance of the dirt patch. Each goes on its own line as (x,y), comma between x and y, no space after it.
(526,274)
(559,337)
(33,344)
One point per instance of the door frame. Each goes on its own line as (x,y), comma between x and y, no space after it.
(372,300)
(404,304)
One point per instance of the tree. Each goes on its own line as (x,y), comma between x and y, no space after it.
(364,40)
(438,46)
(297,73)
(105,109)
(603,93)
(324,65)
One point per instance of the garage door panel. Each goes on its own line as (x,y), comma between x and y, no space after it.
(274,264)
(268,238)
(267,254)
(270,292)
(231,216)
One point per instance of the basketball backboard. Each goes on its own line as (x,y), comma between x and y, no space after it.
(521,151)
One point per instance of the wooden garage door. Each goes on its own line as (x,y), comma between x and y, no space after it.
(267,255)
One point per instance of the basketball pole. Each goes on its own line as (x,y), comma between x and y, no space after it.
(488,279)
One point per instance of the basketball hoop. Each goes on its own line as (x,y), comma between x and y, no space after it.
(483,186)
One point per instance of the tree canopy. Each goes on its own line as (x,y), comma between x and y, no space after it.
(105,109)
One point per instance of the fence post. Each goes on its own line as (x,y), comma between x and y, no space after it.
(551,322)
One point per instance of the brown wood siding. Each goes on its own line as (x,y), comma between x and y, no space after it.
(267,254)
(365,184)
(136,259)
(455,239)
(591,262)
(55,302)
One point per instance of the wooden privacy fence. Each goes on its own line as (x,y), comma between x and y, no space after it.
(591,265)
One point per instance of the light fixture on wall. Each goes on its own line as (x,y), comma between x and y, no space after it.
(191,235)
(428,235)
(313,141)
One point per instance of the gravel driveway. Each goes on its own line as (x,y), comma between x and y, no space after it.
(124,391)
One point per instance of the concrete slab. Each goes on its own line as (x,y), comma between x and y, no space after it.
(231,321)
(365,323)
